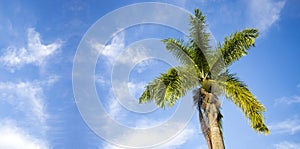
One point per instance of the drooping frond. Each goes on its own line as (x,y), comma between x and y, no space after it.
(170,86)
(237,45)
(240,95)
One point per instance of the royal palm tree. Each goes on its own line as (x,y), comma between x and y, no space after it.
(204,70)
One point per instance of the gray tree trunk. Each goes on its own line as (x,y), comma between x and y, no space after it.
(205,129)
(211,107)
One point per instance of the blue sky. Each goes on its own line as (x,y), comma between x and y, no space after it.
(39,41)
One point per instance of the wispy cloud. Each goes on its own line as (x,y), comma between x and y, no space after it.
(136,88)
(287,145)
(298,86)
(26,99)
(133,56)
(115,110)
(176,142)
(288,100)
(24,122)
(127,94)
(101,80)
(204,146)
(123,96)
(179,140)
(264,13)
(112,50)
(14,137)
(143,65)
(115,51)
(295,99)
(290,126)
(35,52)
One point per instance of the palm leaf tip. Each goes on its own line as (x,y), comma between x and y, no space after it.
(198,14)
(166,89)
(261,128)
(146,95)
(237,45)
(240,95)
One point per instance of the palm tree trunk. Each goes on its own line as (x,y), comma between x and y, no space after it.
(211,107)
(202,118)
(204,127)
(216,136)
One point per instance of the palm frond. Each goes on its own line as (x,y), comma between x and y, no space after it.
(178,49)
(217,65)
(184,54)
(238,92)
(198,32)
(170,86)
(237,45)
(200,50)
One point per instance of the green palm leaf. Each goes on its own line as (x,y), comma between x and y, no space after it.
(198,32)
(170,86)
(179,50)
(240,95)
(186,55)
(205,69)
(199,50)
(233,49)
(237,45)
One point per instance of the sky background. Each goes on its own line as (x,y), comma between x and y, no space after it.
(38,42)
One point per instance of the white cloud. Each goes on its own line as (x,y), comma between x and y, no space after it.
(290,126)
(109,146)
(204,146)
(133,56)
(101,80)
(34,53)
(115,51)
(287,145)
(264,13)
(115,108)
(143,65)
(24,122)
(136,89)
(26,98)
(177,141)
(25,103)
(51,80)
(13,137)
(116,111)
(127,93)
(288,100)
(112,50)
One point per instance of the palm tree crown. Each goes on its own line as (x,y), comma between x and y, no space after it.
(205,69)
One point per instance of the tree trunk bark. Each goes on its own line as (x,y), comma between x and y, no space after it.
(216,136)
(205,129)
(211,107)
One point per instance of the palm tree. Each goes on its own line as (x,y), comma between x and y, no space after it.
(204,69)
